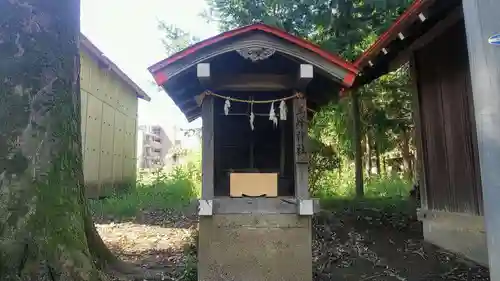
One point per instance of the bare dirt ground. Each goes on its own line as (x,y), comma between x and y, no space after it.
(349,244)
(367,244)
(162,242)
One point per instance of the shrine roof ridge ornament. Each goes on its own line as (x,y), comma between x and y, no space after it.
(256,53)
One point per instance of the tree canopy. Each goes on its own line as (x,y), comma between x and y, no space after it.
(345,27)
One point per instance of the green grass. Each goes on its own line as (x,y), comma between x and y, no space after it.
(335,185)
(154,191)
(174,189)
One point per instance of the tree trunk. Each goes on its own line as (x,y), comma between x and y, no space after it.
(368,155)
(384,166)
(377,159)
(357,143)
(414,159)
(405,151)
(45,226)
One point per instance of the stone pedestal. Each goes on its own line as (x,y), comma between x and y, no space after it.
(255,247)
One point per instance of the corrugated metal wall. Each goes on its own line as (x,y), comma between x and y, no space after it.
(109,129)
(448,126)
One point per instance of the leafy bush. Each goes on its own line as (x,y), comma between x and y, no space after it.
(335,184)
(158,190)
(190,270)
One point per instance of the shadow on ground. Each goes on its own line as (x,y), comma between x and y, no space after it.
(171,218)
(358,241)
(381,241)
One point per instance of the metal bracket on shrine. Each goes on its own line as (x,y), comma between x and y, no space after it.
(205,207)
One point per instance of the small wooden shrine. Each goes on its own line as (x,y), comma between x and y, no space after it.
(255,88)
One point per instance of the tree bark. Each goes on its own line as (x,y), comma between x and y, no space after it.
(405,151)
(377,158)
(45,225)
(384,166)
(357,143)
(368,155)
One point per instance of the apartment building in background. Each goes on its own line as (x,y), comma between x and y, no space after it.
(153,147)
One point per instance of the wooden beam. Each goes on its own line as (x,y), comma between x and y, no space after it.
(301,155)
(481,22)
(419,134)
(253,82)
(208,148)
(181,91)
(186,102)
(199,98)
(438,29)
(191,109)
(452,18)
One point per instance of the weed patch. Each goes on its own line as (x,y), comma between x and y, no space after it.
(154,191)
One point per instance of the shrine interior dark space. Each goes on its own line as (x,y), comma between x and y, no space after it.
(268,148)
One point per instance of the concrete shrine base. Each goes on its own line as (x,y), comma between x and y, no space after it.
(456,232)
(255,247)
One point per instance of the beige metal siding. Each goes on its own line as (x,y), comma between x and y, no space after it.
(118,147)
(92,139)
(109,128)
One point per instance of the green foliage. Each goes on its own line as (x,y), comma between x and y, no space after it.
(341,185)
(322,159)
(190,271)
(175,39)
(333,127)
(157,190)
(345,27)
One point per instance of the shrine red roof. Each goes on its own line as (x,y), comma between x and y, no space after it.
(349,67)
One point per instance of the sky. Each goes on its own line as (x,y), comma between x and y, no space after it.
(126,31)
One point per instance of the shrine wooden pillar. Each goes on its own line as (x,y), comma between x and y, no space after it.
(208,149)
(301,155)
(208,146)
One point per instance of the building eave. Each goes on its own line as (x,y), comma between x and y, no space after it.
(351,69)
(89,47)
(422,21)
(408,17)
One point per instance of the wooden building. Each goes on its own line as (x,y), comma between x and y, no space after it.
(255,88)
(109,122)
(452,81)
